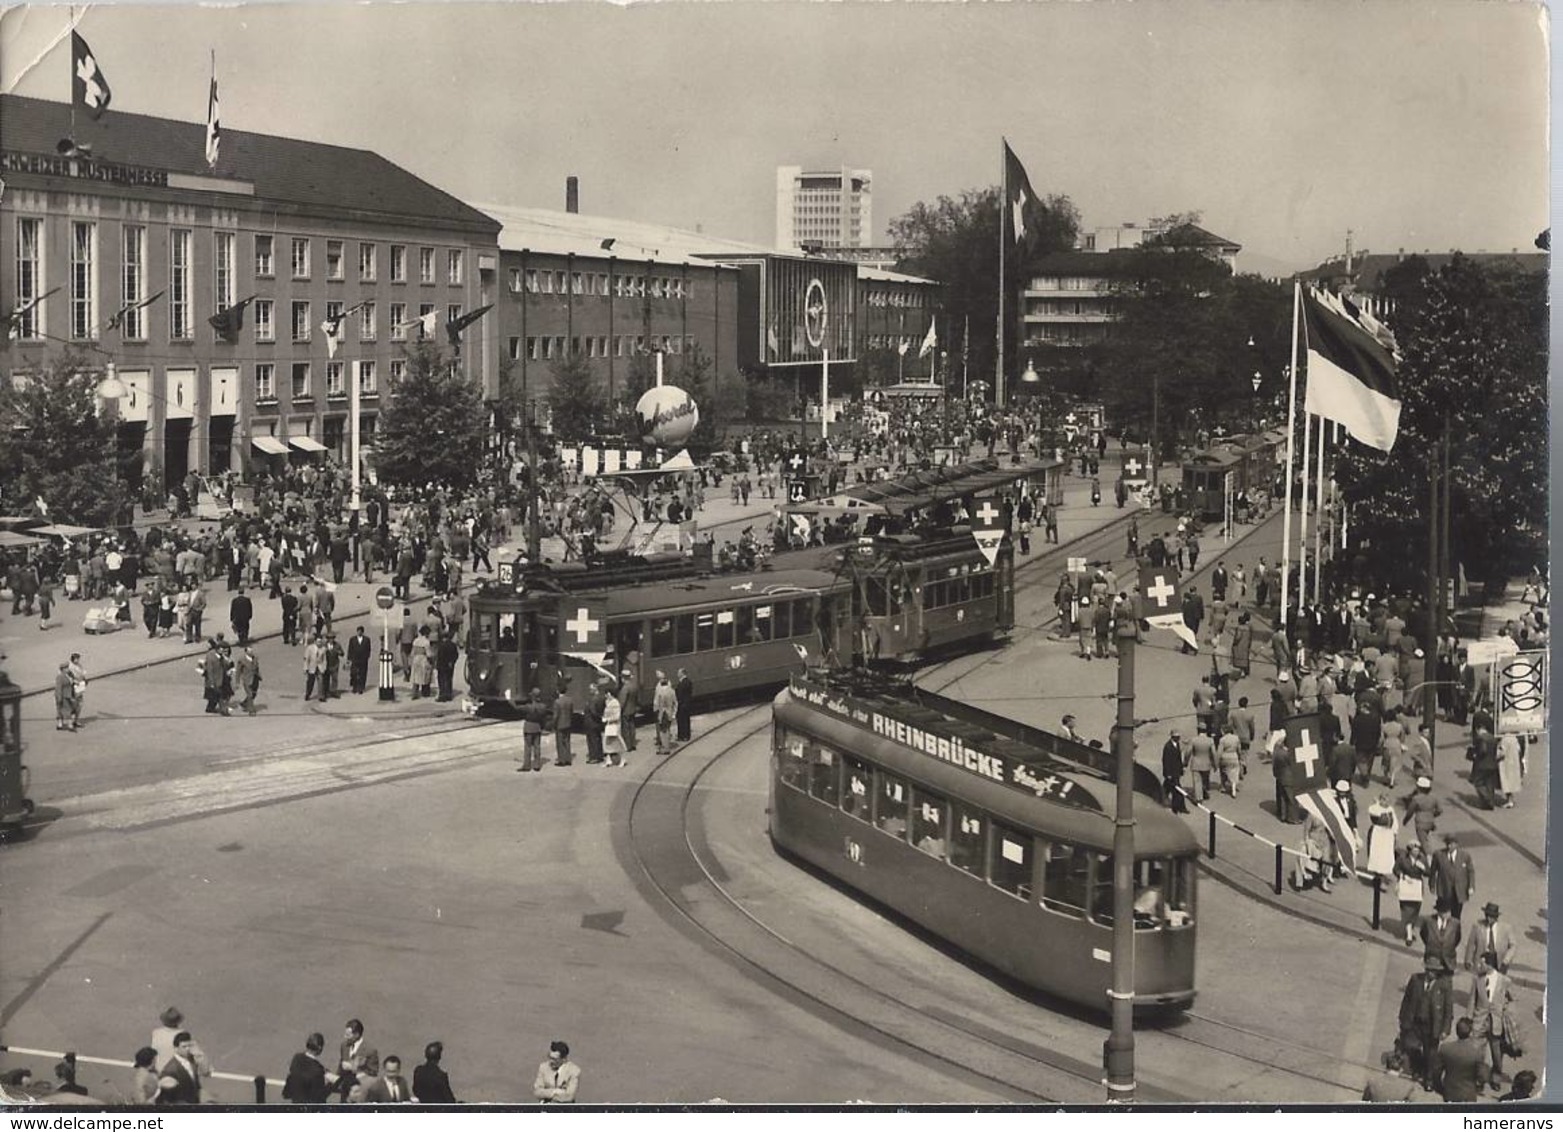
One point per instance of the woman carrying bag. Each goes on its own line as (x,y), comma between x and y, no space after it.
(612,739)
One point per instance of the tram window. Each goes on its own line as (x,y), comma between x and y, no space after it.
(968,839)
(790,752)
(1150,893)
(746,625)
(803,617)
(508,641)
(783,620)
(890,808)
(705,631)
(482,636)
(763,622)
(1066,874)
(1009,864)
(684,628)
(1180,892)
(724,629)
(822,773)
(962,589)
(856,788)
(928,814)
(662,643)
(876,597)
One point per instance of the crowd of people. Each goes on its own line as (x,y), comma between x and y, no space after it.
(173,1070)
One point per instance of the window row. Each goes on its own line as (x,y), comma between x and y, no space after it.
(730,628)
(86,318)
(954,591)
(892,341)
(540,282)
(1068,879)
(543,348)
(897,299)
(302,374)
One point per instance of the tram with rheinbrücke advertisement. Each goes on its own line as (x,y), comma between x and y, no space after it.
(994,836)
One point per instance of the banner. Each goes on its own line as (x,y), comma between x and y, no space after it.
(179,400)
(1519,685)
(223,392)
(138,385)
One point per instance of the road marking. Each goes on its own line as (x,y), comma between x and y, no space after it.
(1356,1054)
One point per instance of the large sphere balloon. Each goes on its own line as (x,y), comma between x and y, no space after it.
(667,416)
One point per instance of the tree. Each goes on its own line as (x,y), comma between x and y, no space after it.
(576,400)
(433,428)
(956,242)
(57,447)
(1474,364)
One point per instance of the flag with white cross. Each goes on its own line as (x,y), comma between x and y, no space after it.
(1161,602)
(1311,784)
(987,526)
(1136,467)
(89,87)
(583,628)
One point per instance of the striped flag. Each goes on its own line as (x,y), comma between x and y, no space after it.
(1311,784)
(1351,369)
(930,341)
(214,132)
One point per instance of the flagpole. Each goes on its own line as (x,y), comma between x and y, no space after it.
(1291,444)
(1302,509)
(998,380)
(1318,524)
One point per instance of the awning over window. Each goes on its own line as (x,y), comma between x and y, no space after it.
(306,444)
(270,445)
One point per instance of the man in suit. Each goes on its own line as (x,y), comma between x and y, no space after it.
(1454,875)
(359,647)
(1426,1008)
(240,613)
(447,654)
(591,715)
(308,1082)
(1172,761)
(1492,939)
(330,666)
(430,1083)
(1460,1067)
(558,1077)
(1441,940)
(684,688)
(356,1053)
(314,662)
(389,1087)
(1391,1086)
(1490,999)
(180,1078)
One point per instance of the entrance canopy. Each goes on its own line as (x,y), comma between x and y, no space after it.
(270,445)
(306,444)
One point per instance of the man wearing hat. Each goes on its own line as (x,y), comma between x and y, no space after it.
(1441,940)
(1492,939)
(1454,875)
(629,707)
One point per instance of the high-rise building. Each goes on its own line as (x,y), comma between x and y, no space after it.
(833,208)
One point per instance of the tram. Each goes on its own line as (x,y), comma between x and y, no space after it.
(914,597)
(992,835)
(1249,460)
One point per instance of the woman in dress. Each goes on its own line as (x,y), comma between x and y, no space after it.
(421,666)
(612,735)
(1383,828)
(1242,645)
(1411,869)
(1390,745)
(1510,768)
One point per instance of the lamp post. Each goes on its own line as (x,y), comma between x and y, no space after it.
(1258,379)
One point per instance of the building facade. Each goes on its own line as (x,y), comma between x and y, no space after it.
(124,255)
(824,208)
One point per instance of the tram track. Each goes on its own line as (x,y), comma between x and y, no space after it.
(668,848)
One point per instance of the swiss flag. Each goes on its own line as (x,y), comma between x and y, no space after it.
(987,526)
(1311,785)
(1163,602)
(1136,466)
(583,627)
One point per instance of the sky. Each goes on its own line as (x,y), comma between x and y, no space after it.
(1418,125)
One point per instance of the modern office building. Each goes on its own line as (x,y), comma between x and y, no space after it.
(123,255)
(830,208)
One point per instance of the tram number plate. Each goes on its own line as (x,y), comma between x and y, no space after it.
(798,491)
(854,851)
(1101,955)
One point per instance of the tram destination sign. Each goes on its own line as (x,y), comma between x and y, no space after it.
(1044,782)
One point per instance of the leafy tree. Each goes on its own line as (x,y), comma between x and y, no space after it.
(576,400)
(1474,365)
(434,426)
(955,241)
(56,446)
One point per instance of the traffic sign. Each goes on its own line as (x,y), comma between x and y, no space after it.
(1077,565)
(797,491)
(385,597)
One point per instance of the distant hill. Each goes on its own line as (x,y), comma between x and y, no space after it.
(1252,263)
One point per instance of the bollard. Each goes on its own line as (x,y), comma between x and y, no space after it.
(1378,895)
(1280,870)
(260,1089)
(387,675)
(1212,833)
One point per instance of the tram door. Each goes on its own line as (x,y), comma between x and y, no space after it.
(1004,585)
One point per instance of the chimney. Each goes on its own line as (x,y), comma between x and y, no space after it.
(572,194)
(1348,251)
